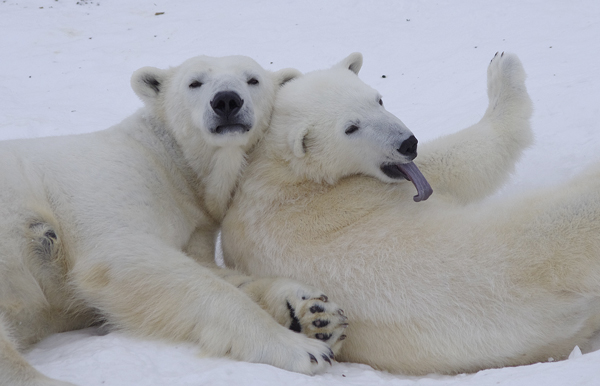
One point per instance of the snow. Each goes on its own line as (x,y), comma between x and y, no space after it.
(65,68)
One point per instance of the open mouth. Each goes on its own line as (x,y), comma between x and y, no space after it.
(409,171)
(232,129)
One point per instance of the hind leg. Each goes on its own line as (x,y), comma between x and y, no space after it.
(473,163)
(14,369)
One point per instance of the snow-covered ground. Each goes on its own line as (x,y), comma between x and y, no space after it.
(65,68)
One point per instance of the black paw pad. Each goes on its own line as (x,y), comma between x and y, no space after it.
(323,337)
(316,308)
(320,323)
(295,326)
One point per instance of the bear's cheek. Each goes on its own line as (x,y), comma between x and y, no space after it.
(251,116)
(199,119)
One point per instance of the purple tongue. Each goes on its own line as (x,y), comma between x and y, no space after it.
(414,175)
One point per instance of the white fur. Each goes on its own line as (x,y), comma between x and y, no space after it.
(449,285)
(93,228)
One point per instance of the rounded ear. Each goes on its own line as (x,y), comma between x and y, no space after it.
(297,142)
(147,83)
(353,62)
(283,76)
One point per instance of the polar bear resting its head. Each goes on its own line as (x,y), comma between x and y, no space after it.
(120,226)
(451,284)
(366,137)
(217,110)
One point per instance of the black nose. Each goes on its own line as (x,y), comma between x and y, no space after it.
(409,147)
(226,103)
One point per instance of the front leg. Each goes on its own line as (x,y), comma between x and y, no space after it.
(299,307)
(152,290)
(473,163)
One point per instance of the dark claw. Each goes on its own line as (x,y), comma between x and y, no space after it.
(342,337)
(320,323)
(331,354)
(327,359)
(324,298)
(312,358)
(316,308)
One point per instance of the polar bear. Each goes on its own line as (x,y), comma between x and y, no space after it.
(119,227)
(451,284)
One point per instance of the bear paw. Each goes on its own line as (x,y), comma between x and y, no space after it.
(305,309)
(506,78)
(319,319)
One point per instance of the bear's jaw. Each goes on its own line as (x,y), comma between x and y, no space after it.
(231,129)
(393,171)
(410,172)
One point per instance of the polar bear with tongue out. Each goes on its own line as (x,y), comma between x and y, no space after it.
(449,284)
(343,131)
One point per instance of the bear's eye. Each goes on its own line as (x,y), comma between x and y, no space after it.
(351,129)
(381,102)
(253,81)
(195,84)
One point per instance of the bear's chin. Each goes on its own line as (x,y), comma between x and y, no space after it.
(231,129)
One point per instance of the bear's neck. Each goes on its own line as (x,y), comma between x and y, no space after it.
(226,166)
(211,172)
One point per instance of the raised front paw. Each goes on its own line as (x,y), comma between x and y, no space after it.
(305,309)
(506,79)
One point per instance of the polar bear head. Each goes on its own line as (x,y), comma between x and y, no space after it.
(329,124)
(221,102)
